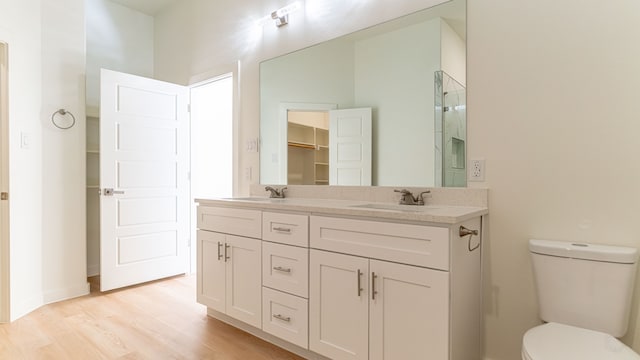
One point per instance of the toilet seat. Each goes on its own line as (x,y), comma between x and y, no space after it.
(553,341)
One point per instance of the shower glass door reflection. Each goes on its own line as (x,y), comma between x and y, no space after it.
(450,131)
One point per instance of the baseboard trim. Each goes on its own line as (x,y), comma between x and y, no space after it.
(65,293)
(93,270)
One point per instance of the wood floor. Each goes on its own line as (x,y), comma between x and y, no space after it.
(159,320)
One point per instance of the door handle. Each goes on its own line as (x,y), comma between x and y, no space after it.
(219,250)
(359,282)
(226,249)
(111,192)
(373,286)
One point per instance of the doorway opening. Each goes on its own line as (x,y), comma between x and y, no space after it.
(212,144)
(308,147)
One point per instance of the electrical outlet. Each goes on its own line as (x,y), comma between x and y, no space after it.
(476,170)
(247,173)
(253,145)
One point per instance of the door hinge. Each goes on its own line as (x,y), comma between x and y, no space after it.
(188,108)
(189,242)
(4,196)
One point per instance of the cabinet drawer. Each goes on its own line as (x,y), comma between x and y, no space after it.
(285,228)
(242,222)
(285,268)
(419,245)
(285,316)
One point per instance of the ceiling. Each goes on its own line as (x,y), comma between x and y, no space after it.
(149,7)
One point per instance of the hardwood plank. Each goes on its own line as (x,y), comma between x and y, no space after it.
(157,320)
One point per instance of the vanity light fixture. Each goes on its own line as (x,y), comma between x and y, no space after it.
(280,16)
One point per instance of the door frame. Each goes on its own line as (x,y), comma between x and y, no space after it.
(4,183)
(217,73)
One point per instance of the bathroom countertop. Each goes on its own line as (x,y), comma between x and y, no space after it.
(440,214)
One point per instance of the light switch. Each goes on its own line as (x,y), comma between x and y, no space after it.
(25,140)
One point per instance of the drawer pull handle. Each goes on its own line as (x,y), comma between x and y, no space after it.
(226,250)
(282,317)
(280,268)
(359,282)
(373,285)
(282,229)
(219,250)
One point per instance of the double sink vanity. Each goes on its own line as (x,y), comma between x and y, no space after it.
(347,279)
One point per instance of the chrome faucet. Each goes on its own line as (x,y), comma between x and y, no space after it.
(408,198)
(275,193)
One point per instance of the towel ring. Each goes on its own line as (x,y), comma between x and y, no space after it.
(63,112)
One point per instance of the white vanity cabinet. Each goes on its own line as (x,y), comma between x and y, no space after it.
(229,262)
(382,290)
(338,283)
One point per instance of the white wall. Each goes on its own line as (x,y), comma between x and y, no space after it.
(46,73)
(118,39)
(20,27)
(63,159)
(552,106)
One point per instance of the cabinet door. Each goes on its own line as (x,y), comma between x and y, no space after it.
(211,270)
(409,314)
(338,305)
(244,280)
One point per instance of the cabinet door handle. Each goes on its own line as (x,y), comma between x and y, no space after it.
(359,282)
(373,285)
(280,268)
(219,250)
(282,317)
(282,229)
(226,249)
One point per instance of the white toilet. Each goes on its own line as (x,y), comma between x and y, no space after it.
(584,295)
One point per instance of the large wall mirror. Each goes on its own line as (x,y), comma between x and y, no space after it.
(407,74)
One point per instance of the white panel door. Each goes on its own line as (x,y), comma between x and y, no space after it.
(144,153)
(409,317)
(338,305)
(350,147)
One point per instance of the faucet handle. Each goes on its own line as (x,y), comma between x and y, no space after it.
(421,197)
(275,193)
(403,191)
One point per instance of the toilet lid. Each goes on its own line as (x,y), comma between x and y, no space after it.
(554,341)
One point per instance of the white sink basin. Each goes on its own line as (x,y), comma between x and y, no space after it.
(396,207)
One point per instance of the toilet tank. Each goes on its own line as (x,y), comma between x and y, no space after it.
(584,285)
